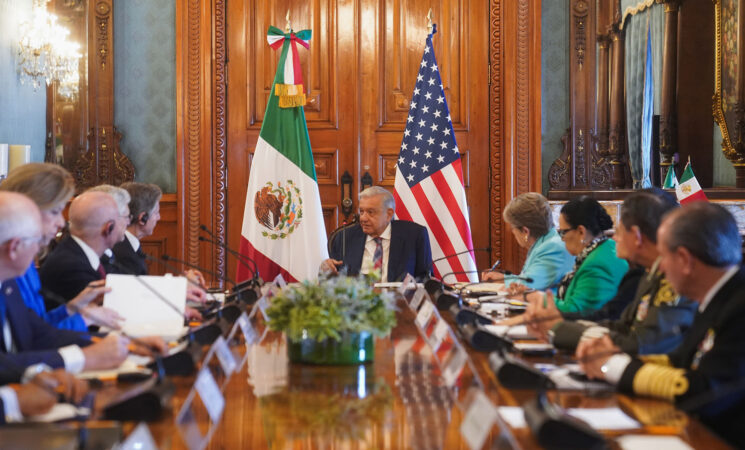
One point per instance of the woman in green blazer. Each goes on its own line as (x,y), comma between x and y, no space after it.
(597,270)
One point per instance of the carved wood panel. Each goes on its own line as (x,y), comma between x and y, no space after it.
(359,73)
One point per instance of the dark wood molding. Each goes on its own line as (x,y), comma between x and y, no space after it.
(219,224)
(495,127)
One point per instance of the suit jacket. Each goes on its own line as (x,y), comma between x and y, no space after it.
(654,322)
(67,271)
(409,251)
(710,359)
(128,260)
(57,316)
(35,340)
(595,282)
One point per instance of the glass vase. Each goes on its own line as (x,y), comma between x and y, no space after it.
(353,348)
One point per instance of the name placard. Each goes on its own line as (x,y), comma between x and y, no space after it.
(424,314)
(479,418)
(249,332)
(454,367)
(441,330)
(210,394)
(408,283)
(416,300)
(225,356)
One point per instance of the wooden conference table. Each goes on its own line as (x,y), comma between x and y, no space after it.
(396,402)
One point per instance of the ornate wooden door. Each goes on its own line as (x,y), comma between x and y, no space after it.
(359,73)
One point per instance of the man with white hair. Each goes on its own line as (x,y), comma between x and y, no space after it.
(380,244)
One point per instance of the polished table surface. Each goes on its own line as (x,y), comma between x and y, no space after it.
(398,401)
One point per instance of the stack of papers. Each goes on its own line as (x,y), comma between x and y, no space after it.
(510,331)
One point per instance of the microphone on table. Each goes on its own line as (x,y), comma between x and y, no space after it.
(432,285)
(241,258)
(217,275)
(245,290)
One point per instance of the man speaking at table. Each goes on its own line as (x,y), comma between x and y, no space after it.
(379,243)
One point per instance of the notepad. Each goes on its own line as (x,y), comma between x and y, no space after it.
(142,303)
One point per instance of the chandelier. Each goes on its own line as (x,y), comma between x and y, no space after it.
(44,52)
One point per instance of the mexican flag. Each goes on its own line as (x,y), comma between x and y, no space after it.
(283,228)
(689,190)
(671,181)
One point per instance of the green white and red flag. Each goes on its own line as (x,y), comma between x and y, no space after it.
(688,189)
(283,228)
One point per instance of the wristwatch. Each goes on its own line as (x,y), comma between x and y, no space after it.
(32,371)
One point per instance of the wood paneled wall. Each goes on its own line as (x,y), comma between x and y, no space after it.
(359,73)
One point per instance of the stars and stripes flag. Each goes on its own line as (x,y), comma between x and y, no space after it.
(429,177)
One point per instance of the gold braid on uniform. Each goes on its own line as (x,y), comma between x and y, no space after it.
(659,381)
(662,360)
(665,295)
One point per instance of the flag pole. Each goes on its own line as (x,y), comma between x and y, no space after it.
(288,26)
(429,21)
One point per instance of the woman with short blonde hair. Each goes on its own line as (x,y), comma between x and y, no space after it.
(531,220)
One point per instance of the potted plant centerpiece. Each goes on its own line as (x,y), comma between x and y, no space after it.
(333,320)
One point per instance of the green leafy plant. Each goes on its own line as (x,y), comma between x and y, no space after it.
(331,306)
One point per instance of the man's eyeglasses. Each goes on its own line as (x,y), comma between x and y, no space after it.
(563,233)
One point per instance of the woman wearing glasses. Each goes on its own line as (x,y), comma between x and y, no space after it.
(597,270)
(529,215)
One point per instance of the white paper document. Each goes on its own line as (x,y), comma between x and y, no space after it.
(597,418)
(650,442)
(142,303)
(605,418)
(512,332)
(60,411)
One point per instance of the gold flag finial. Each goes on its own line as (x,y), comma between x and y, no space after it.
(429,21)
(288,27)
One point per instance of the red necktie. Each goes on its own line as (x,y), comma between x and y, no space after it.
(101,271)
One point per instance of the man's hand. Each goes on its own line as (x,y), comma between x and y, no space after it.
(331,266)
(196,277)
(490,275)
(34,399)
(108,353)
(516,288)
(541,313)
(102,316)
(62,382)
(195,294)
(192,314)
(92,293)
(592,354)
(149,346)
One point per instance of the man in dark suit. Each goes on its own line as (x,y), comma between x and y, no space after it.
(699,245)
(378,243)
(95,225)
(144,208)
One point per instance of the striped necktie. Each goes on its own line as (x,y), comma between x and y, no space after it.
(378,255)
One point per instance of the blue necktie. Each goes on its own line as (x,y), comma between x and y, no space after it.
(2,319)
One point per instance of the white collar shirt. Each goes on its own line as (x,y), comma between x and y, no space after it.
(367,256)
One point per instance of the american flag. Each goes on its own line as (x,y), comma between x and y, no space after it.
(429,178)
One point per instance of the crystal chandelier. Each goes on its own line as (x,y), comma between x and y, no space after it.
(44,53)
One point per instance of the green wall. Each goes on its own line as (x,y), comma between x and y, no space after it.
(145,87)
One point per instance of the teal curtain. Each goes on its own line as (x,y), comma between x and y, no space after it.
(644,33)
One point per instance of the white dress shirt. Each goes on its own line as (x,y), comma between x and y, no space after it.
(91,254)
(133,241)
(367,256)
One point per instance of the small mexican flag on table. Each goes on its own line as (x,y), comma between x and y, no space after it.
(689,190)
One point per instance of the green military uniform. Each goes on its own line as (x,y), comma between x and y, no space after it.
(654,322)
